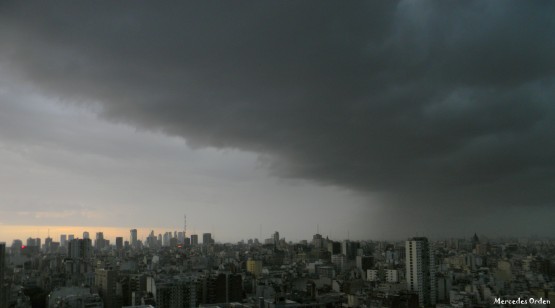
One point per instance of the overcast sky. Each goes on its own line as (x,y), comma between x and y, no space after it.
(381,119)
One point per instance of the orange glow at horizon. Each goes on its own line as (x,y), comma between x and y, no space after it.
(8,233)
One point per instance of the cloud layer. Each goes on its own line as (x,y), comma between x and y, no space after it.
(430,105)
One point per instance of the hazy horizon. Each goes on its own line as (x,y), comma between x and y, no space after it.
(372,119)
(9,233)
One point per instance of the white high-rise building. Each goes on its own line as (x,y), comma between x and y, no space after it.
(421,273)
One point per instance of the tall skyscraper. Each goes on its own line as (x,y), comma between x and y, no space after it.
(206,238)
(106,283)
(276,238)
(99,243)
(16,247)
(151,240)
(317,240)
(79,249)
(133,237)
(86,234)
(31,242)
(349,249)
(194,239)
(119,243)
(32,247)
(63,240)
(420,269)
(48,244)
(166,239)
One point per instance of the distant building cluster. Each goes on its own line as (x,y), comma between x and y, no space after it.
(173,270)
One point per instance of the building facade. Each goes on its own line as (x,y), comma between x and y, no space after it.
(420,270)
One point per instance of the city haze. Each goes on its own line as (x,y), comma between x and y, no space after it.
(365,120)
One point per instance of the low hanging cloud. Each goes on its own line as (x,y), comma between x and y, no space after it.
(426,103)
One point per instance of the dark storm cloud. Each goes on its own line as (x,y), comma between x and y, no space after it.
(428,103)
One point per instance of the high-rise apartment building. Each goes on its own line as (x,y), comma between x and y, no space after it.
(339,262)
(334,247)
(364,263)
(48,244)
(194,239)
(17,247)
(254,267)
(207,238)
(79,249)
(133,237)
(106,283)
(32,247)
(119,243)
(151,240)
(420,270)
(180,291)
(99,242)
(317,241)
(276,238)
(349,249)
(218,288)
(33,242)
(166,239)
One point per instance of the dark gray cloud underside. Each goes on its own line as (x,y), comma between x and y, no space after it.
(429,103)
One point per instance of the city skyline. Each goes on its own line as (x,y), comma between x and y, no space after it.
(111,233)
(370,120)
(171,272)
